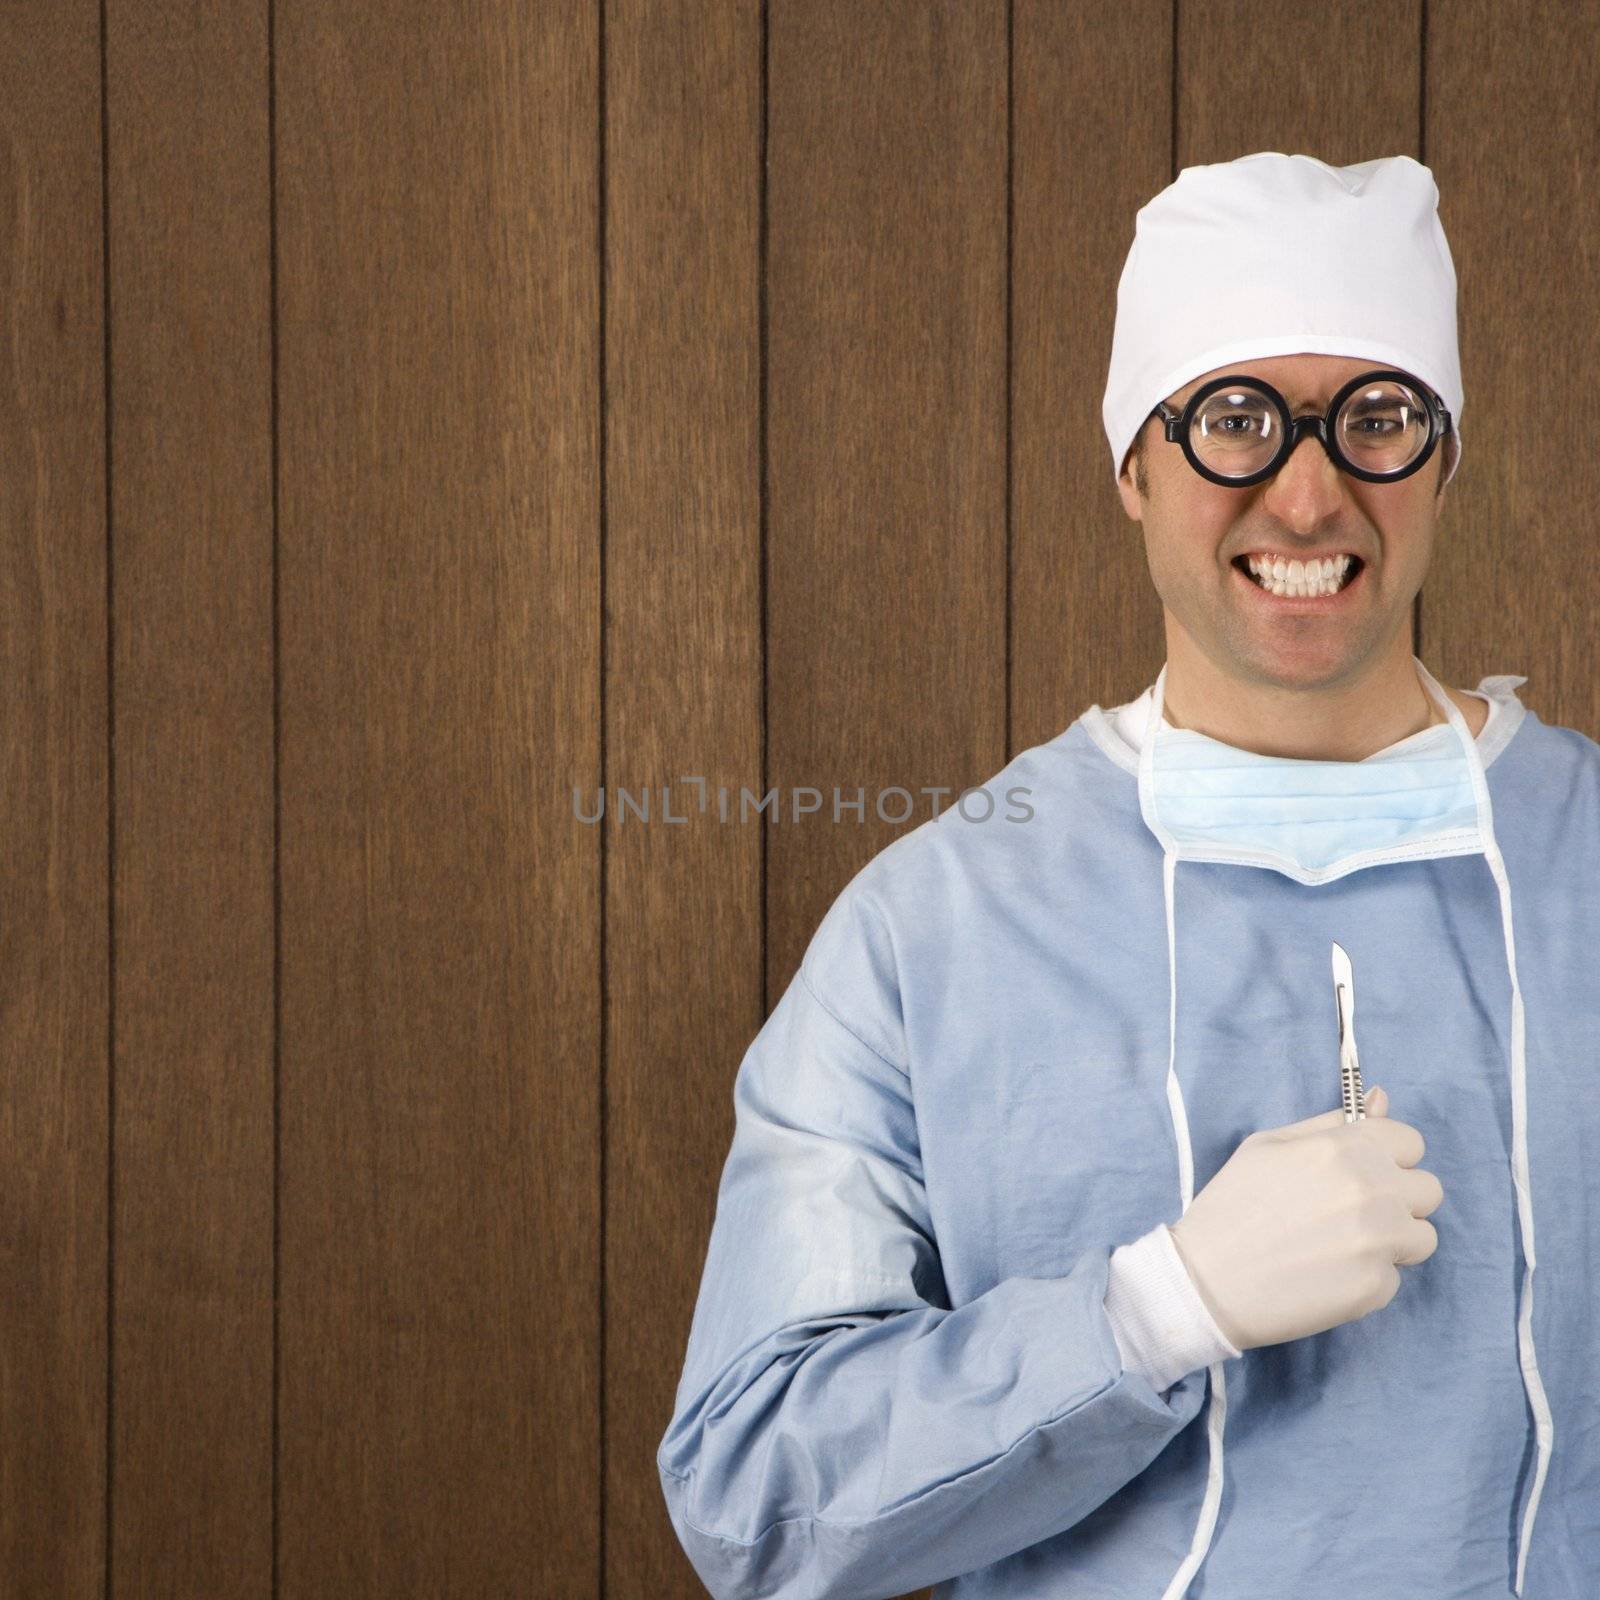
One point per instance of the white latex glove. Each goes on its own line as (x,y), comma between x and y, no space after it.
(1305,1226)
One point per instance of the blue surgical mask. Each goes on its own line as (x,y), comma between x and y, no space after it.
(1315,821)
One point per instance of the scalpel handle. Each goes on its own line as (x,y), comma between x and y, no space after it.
(1355,1105)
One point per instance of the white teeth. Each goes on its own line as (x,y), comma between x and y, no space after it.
(1300,578)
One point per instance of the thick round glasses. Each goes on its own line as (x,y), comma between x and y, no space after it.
(1380,427)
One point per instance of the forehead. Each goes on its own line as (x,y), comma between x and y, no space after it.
(1300,379)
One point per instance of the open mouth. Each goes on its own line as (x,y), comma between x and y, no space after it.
(1318,581)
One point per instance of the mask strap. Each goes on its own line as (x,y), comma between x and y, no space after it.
(1443,701)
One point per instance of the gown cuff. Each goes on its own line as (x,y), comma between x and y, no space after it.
(1163,1328)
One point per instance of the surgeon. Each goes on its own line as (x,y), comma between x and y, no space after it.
(1047,1262)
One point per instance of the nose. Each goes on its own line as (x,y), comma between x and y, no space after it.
(1307,487)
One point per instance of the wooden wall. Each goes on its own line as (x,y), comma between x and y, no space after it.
(411,412)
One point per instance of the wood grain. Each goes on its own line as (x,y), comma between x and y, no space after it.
(194,1067)
(439,656)
(885,429)
(55,803)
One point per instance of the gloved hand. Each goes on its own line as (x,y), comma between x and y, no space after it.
(1305,1226)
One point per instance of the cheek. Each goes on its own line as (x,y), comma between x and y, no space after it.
(1407,544)
(1187,522)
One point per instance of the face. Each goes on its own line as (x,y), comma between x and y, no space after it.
(1195,529)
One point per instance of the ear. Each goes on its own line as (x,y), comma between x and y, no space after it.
(1132,501)
(1448,457)
(1439,487)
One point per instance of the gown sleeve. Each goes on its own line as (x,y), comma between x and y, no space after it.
(840,1430)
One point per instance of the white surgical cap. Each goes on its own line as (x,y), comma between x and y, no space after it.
(1274,255)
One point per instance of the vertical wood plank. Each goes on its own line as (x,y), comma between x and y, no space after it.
(439,649)
(1086,623)
(886,429)
(1340,82)
(1513,140)
(55,799)
(192,543)
(683,701)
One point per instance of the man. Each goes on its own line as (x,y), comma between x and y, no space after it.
(1040,1267)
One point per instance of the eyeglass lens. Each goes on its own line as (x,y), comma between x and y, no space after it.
(1382,427)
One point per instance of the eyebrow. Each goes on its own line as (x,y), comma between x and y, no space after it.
(1301,408)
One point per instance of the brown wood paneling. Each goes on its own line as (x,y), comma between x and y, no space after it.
(683,701)
(188,165)
(1513,140)
(1340,82)
(1092,141)
(438,319)
(886,488)
(54,799)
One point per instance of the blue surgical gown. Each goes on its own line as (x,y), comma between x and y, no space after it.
(900,1370)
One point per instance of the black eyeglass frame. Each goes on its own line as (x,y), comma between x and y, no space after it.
(1178,425)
